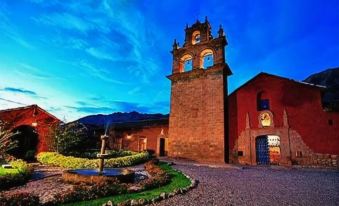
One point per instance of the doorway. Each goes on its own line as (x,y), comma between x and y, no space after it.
(142,144)
(267,149)
(162,147)
(262,150)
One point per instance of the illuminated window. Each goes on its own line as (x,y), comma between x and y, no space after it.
(208,61)
(188,65)
(196,37)
(206,58)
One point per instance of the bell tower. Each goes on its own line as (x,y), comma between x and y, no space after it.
(198,125)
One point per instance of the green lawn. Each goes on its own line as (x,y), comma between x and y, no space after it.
(178,181)
(8,171)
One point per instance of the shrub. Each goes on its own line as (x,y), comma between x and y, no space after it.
(26,199)
(159,177)
(19,177)
(55,159)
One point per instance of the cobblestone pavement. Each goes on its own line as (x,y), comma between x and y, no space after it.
(258,186)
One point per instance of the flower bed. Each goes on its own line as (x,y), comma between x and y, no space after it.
(55,159)
(18,175)
(179,183)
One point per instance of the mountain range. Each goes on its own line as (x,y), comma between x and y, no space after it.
(121,117)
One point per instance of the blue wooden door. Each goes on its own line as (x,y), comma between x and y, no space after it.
(262,151)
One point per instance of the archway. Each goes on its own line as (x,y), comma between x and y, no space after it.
(27,141)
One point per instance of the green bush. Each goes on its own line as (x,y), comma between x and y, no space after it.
(21,173)
(55,159)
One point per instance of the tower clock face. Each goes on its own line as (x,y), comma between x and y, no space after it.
(265,119)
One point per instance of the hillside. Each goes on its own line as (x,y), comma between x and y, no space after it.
(121,117)
(330,79)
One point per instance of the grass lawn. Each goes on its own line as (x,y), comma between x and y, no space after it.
(8,171)
(178,181)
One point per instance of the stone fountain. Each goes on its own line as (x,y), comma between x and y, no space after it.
(102,154)
(91,176)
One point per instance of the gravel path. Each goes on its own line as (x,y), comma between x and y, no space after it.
(46,183)
(258,186)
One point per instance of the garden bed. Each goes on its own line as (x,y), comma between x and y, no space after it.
(178,183)
(162,182)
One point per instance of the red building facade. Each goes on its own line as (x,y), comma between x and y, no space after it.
(34,117)
(274,120)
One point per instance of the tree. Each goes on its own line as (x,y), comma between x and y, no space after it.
(6,141)
(73,138)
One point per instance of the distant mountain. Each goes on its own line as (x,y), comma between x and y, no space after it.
(330,79)
(120,117)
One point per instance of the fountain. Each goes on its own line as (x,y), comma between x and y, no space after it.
(102,154)
(102,174)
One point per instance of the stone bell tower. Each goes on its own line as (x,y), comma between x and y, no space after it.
(198,125)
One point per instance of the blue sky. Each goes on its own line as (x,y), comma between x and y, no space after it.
(88,57)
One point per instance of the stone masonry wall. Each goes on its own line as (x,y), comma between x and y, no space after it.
(196,129)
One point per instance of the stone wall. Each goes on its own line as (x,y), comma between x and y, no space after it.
(196,127)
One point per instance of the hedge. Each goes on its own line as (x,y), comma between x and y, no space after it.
(56,159)
(20,176)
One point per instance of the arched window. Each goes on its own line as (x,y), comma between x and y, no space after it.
(186,63)
(196,37)
(206,58)
(263,102)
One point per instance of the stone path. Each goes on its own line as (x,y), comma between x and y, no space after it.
(231,185)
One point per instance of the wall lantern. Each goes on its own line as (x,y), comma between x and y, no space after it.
(129,136)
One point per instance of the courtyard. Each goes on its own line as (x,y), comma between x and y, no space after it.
(258,186)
